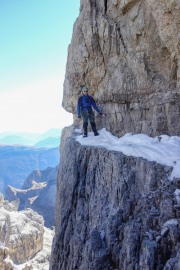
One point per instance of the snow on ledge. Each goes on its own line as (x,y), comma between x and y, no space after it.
(177,195)
(162,149)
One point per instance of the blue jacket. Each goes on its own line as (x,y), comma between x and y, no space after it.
(85,103)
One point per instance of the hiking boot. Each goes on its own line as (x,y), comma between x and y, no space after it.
(85,135)
(96,134)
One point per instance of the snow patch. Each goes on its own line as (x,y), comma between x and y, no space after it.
(170,222)
(177,195)
(161,149)
(78,130)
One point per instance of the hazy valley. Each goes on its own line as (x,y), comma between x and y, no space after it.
(17,160)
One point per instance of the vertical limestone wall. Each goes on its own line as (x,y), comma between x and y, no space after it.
(128,53)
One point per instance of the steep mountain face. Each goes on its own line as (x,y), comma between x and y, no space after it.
(114,212)
(127,52)
(44,204)
(38,193)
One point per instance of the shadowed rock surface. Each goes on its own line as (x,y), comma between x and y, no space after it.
(114,212)
(45,203)
(40,176)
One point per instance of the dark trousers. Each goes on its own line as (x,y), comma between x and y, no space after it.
(89,115)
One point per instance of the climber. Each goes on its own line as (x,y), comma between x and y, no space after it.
(84,110)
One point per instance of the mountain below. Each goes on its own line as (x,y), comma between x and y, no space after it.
(40,176)
(21,153)
(38,188)
(24,241)
(17,162)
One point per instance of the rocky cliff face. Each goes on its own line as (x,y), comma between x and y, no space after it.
(128,53)
(24,241)
(45,203)
(20,232)
(114,212)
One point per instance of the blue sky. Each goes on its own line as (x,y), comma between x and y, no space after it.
(34,37)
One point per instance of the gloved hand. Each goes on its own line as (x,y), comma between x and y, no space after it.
(79,116)
(100,113)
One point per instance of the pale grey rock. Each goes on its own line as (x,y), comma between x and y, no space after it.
(1,199)
(41,260)
(113,212)
(22,233)
(25,244)
(128,53)
(4,263)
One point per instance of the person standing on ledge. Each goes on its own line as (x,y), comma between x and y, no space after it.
(84,110)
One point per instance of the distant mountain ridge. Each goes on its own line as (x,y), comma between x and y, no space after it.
(13,139)
(38,193)
(17,162)
(31,139)
(49,142)
(21,153)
